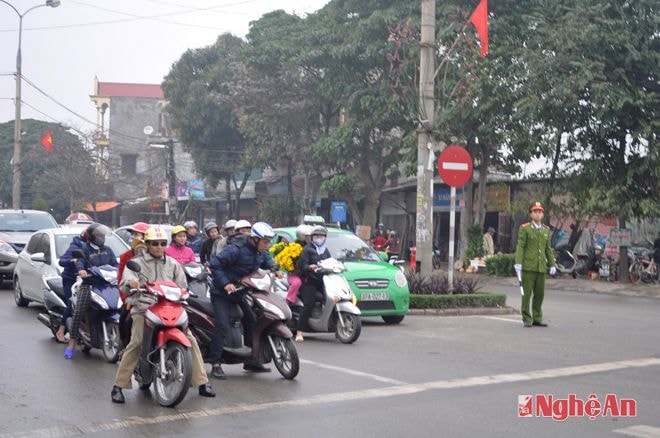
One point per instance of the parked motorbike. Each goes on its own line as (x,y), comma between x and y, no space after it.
(165,360)
(271,338)
(335,307)
(54,302)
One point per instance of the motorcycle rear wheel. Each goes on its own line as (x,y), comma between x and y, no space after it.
(172,388)
(351,330)
(286,357)
(112,349)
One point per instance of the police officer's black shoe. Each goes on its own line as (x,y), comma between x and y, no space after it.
(206,390)
(255,367)
(117,395)
(540,324)
(527,323)
(216,371)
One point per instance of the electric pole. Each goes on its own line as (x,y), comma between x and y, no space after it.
(425,158)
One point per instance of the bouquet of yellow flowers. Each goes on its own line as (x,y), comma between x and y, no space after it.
(286,254)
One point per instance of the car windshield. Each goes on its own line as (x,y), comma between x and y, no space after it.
(63,241)
(14,222)
(349,247)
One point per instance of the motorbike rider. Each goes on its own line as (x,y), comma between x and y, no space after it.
(193,238)
(303,237)
(242,257)
(69,274)
(242,227)
(230,232)
(136,241)
(212,236)
(95,254)
(156,266)
(178,249)
(312,254)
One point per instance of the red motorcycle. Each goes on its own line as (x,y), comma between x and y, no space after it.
(166,359)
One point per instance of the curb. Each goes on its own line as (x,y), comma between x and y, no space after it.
(465,311)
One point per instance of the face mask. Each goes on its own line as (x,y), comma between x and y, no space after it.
(318,241)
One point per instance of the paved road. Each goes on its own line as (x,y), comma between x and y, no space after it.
(428,377)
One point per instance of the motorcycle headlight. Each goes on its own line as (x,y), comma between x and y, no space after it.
(400,279)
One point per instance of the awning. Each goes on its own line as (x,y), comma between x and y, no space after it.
(101,206)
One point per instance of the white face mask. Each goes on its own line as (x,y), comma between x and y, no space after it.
(318,241)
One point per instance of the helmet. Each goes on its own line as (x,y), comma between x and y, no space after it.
(229,225)
(598,248)
(139,227)
(242,224)
(95,234)
(261,230)
(155,233)
(211,225)
(189,224)
(319,229)
(178,229)
(303,231)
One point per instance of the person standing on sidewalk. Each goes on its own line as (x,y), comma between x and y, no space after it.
(533,257)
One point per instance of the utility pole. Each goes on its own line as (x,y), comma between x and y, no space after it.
(425,158)
(171,182)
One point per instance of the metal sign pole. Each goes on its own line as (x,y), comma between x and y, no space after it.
(452,224)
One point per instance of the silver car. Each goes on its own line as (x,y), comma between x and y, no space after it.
(16,227)
(40,258)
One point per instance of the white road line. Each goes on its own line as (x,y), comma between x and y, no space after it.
(354,372)
(391,391)
(517,319)
(640,431)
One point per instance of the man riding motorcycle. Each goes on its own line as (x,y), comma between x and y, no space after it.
(245,255)
(156,266)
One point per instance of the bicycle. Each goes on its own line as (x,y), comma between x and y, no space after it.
(644,269)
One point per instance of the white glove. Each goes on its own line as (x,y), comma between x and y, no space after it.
(517,267)
(553,271)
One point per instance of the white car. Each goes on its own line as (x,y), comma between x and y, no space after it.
(41,257)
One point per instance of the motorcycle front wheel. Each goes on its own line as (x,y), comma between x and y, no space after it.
(112,346)
(172,387)
(285,357)
(350,331)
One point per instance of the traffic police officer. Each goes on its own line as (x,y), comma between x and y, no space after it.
(533,257)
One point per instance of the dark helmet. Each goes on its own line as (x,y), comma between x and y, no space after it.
(96,233)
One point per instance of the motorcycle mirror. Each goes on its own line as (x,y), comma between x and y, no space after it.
(133,266)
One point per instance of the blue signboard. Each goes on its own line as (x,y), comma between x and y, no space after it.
(338,211)
(441,197)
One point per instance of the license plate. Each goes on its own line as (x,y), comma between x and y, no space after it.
(374,296)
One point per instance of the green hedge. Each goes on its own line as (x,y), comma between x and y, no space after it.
(480,299)
(501,265)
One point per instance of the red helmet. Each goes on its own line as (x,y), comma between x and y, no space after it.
(139,227)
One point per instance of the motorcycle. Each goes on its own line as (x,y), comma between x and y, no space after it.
(271,338)
(54,302)
(335,308)
(165,358)
(197,278)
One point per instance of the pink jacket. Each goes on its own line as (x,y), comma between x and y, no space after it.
(181,254)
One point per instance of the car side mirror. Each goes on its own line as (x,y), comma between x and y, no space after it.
(38,257)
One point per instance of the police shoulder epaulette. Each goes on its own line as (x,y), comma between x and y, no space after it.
(525,225)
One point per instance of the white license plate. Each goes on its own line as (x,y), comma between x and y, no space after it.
(374,296)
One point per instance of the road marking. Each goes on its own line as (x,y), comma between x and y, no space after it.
(640,431)
(354,372)
(390,391)
(499,318)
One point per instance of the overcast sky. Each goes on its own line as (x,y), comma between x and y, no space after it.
(133,41)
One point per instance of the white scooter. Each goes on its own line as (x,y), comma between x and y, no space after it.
(335,307)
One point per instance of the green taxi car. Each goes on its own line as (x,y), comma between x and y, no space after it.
(380,287)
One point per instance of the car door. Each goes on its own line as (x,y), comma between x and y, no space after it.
(47,267)
(26,267)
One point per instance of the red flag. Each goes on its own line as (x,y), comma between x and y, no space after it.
(47,141)
(480,20)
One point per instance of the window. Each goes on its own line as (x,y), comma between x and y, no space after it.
(32,245)
(129,164)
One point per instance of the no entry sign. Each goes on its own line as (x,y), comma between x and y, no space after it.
(455,166)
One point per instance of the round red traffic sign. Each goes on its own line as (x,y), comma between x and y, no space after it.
(455,166)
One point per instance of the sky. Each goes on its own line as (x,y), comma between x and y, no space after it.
(134,41)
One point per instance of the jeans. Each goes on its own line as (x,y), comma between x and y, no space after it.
(222,304)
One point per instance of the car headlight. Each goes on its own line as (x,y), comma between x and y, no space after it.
(7,248)
(400,279)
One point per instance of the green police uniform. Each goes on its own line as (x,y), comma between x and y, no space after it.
(534,253)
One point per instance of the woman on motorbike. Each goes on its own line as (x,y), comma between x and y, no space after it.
(178,249)
(303,237)
(312,254)
(95,253)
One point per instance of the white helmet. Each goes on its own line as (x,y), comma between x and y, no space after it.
(242,224)
(261,230)
(230,224)
(189,224)
(303,231)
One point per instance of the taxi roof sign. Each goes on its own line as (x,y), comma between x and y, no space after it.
(313,220)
